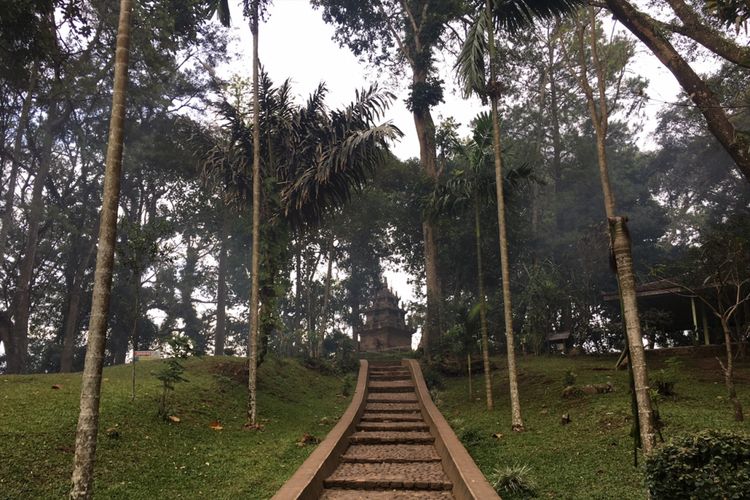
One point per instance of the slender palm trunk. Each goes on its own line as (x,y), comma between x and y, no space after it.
(326,299)
(23,120)
(482,310)
(515,402)
(221,292)
(88,419)
(252,410)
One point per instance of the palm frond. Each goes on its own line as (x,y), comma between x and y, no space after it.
(470,64)
(515,15)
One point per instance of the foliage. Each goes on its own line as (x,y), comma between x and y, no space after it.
(569,378)
(172,371)
(707,464)
(514,480)
(665,379)
(591,457)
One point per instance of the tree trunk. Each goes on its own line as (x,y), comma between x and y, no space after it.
(425,128)
(734,142)
(88,418)
(515,401)
(22,299)
(624,264)
(70,331)
(729,373)
(482,310)
(326,299)
(252,410)
(15,162)
(221,292)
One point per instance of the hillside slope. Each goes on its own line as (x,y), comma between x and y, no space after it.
(144,457)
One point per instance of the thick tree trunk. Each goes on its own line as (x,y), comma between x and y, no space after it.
(23,120)
(425,127)
(252,383)
(22,299)
(482,311)
(88,418)
(728,370)
(221,292)
(734,142)
(515,401)
(621,250)
(70,331)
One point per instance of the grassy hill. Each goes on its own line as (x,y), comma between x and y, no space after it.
(144,457)
(592,457)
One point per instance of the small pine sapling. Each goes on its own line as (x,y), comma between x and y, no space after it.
(172,372)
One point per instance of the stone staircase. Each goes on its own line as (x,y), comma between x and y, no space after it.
(391,455)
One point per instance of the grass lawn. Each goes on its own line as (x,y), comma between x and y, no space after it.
(150,458)
(592,457)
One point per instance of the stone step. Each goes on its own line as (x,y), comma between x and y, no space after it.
(390,386)
(392,426)
(392,407)
(389,376)
(392,397)
(392,476)
(391,417)
(389,371)
(376,453)
(344,494)
(391,437)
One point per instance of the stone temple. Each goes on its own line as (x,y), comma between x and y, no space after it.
(384,328)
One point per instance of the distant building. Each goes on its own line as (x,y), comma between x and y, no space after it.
(384,328)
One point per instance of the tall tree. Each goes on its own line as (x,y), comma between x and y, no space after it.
(609,63)
(88,419)
(653,34)
(414,29)
(476,67)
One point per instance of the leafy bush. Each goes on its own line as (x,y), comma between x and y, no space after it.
(347,385)
(470,436)
(432,377)
(664,380)
(514,480)
(708,464)
(569,378)
(172,371)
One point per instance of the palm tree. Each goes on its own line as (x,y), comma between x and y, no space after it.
(88,418)
(481,78)
(311,160)
(252,10)
(474,187)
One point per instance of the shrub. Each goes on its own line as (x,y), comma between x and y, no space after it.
(432,378)
(707,464)
(664,380)
(347,385)
(569,378)
(172,371)
(470,436)
(515,480)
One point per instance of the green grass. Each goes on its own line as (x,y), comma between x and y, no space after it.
(155,459)
(592,457)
